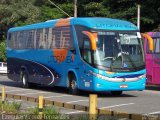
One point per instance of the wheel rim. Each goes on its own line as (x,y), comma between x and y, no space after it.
(24,80)
(73,84)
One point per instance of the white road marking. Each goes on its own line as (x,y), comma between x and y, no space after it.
(57,96)
(117,105)
(31,93)
(75,112)
(152,113)
(31,107)
(16,90)
(76,101)
(79,101)
(15,101)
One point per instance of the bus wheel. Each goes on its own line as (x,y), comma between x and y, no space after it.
(24,80)
(73,86)
(116,93)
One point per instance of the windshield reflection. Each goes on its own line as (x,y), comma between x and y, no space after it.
(116,50)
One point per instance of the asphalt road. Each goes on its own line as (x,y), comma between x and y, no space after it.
(141,102)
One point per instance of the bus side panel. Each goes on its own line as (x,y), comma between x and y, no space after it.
(149,69)
(37,72)
(13,69)
(149,66)
(156,68)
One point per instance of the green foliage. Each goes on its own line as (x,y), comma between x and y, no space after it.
(49,11)
(96,9)
(16,13)
(49,113)
(46,110)
(3,51)
(21,12)
(11,108)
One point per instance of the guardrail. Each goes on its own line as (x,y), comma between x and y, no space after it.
(92,108)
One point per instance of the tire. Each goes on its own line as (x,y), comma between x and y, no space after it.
(116,93)
(73,88)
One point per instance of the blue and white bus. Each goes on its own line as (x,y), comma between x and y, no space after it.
(91,54)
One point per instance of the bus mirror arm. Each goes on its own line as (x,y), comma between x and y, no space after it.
(149,39)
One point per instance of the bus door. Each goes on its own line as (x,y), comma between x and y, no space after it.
(86,64)
(85,53)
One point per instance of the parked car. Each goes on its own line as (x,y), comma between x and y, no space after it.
(3,67)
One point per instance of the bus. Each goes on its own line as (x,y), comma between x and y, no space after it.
(90,54)
(152,58)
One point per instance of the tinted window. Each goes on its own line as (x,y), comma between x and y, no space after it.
(61,37)
(157,45)
(87,50)
(4,65)
(46,38)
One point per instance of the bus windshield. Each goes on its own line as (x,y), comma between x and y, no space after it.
(119,51)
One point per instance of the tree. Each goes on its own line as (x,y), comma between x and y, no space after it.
(3,51)
(22,12)
(48,11)
(127,10)
(16,13)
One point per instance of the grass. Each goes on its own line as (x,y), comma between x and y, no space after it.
(10,108)
(49,113)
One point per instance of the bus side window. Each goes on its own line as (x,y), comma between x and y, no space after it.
(80,37)
(87,50)
(157,46)
(71,43)
(9,42)
(14,40)
(50,38)
(40,38)
(30,40)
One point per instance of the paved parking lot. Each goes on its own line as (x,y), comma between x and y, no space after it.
(141,102)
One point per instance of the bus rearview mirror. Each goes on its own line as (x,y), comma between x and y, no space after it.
(150,41)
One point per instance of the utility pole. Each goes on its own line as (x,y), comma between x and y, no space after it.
(138,16)
(75,8)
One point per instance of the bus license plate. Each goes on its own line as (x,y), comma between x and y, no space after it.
(123,86)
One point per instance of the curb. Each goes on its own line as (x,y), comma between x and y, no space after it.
(84,108)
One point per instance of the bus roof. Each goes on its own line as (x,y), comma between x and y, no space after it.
(91,22)
(105,23)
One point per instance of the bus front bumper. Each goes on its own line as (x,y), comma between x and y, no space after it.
(104,85)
